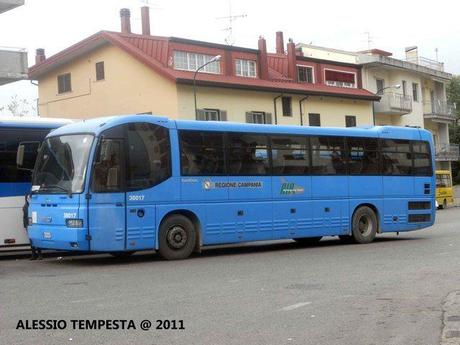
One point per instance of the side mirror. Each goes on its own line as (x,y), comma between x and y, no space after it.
(20,156)
(26,155)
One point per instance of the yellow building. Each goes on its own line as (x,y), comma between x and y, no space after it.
(413,92)
(119,73)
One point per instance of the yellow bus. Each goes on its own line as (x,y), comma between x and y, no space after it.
(444,190)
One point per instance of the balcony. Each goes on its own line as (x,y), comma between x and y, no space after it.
(6,5)
(393,104)
(13,65)
(447,152)
(439,111)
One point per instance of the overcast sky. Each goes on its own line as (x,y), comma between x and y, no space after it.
(393,25)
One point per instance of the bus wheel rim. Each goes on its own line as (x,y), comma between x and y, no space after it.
(176,237)
(365,225)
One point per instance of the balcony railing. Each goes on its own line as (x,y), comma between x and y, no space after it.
(447,152)
(13,64)
(439,111)
(393,104)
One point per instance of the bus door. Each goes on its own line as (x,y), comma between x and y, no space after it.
(106,202)
(148,182)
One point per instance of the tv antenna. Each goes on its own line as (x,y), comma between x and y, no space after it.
(230,40)
(369,39)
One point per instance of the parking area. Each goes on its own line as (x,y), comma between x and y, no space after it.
(390,291)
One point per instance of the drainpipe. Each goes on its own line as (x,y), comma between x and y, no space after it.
(300,107)
(274,105)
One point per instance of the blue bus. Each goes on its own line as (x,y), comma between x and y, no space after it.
(14,181)
(140,182)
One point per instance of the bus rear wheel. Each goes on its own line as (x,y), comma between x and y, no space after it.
(308,241)
(177,238)
(364,225)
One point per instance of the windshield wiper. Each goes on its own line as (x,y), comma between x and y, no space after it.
(50,186)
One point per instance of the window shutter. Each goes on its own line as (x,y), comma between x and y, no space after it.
(249,117)
(201,115)
(223,115)
(268,118)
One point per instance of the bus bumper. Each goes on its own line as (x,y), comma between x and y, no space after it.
(58,238)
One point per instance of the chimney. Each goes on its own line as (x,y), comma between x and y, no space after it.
(279,42)
(125,15)
(145,15)
(263,59)
(291,57)
(412,54)
(39,55)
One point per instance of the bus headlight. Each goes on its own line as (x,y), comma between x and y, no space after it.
(74,223)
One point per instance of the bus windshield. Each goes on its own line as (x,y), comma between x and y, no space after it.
(61,164)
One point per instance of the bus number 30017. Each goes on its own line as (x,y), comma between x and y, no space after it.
(136,198)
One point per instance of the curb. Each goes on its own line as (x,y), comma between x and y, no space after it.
(451,319)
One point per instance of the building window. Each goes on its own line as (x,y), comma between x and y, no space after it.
(245,68)
(404,87)
(380,86)
(211,115)
(415,92)
(314,119)
(100,72)
(287,106)
(258,117)
(64,84)
(191,61)
(340,79)
(305,74)
(350,121)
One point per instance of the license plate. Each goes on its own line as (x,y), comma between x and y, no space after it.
(47,235)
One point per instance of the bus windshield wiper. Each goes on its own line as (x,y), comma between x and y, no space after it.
(68,191)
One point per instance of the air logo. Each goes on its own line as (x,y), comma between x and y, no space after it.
(290,188)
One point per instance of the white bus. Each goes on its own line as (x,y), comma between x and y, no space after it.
(14,181)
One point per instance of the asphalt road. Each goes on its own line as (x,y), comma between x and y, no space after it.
(387,292)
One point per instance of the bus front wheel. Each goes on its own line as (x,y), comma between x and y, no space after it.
(364,225)
(177,238)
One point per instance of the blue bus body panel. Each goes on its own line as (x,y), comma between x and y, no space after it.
(232,209)
(49,229)
(14,188)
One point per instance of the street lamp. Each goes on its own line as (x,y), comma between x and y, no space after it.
(396,86)
(214,59)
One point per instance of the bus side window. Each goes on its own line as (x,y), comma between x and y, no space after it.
(149,155)
(363,156)
(108,167)
(328,155)
(396,157)
(422,159)
(247,154)
(202,153)
(290,155)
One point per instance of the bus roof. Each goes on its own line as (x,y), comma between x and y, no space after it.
(97,125)
(32,122)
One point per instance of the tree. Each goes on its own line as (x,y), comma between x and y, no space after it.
(18,107)
(453,96)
